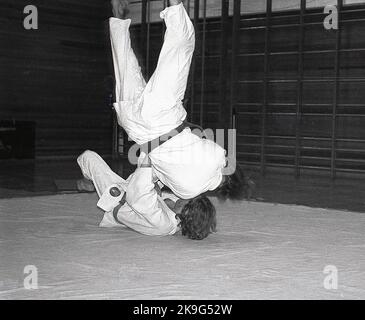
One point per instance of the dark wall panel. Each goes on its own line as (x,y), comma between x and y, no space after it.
(56,76)
(302,112)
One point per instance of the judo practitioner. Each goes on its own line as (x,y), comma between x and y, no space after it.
(141,208)
(150,113)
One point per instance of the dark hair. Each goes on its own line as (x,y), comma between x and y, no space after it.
(235,186)
(198,218)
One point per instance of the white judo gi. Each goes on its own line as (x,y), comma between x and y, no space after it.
(144,210)
(187,164)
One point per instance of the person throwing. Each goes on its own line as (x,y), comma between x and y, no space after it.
(153,114)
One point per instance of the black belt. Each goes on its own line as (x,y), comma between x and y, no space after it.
(116,209)
(155,143)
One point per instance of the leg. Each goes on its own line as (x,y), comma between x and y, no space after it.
(128,77)
(148,112)
(85,185)
(167,86)
(94,168)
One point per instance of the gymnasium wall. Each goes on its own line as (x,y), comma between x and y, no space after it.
(313,116)
(56,76)
(291,116)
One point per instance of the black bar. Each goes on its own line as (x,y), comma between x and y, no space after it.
(144,34)
(278,165)
(202,86)
(193,66)
(303,138)
(196,15)
(304,148)
(189,93)
(234,60)
(278,53)
(300,88)
(312,114)
(164,4)
(306,104)
(335,93)
(224,115)
(266,83)
(324,79)
(148,39)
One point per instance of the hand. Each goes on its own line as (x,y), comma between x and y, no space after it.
(85,185)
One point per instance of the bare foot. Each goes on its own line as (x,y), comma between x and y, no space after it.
(174,2)
(120,8)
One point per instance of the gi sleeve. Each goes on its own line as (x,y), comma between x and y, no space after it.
(144,200)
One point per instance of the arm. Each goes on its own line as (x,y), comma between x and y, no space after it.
(145,202)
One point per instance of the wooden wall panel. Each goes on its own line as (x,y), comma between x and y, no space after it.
(283,73)
(56,76)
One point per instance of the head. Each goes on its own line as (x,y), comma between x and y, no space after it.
(197,217)
(235,186)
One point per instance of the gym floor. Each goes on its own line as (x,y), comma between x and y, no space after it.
(262,249)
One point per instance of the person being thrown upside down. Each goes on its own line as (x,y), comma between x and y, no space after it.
(187,164)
